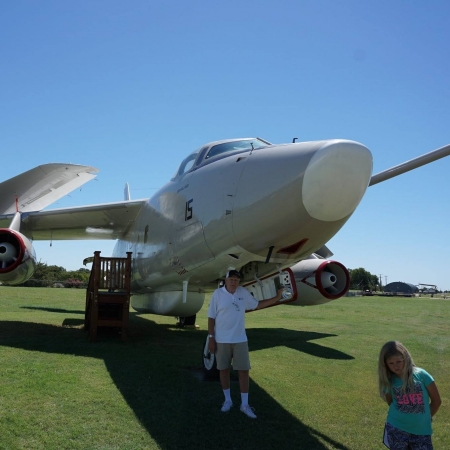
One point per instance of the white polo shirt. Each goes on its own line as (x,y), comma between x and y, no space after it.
(228,310)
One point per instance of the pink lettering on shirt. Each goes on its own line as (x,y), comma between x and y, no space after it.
(413,399)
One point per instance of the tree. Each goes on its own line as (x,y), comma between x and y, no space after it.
(81,274)
(363,280)
(40,271)
(45,276)
(56,273)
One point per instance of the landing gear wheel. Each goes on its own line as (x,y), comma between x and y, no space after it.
(186,321)
(209,361)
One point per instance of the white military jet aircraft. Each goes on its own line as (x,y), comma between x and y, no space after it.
(266,210)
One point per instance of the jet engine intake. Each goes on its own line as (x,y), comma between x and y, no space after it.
(319,281)
(17,257)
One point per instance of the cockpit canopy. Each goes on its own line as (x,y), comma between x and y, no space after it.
(217,150)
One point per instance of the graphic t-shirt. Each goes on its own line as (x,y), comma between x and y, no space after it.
(410,410)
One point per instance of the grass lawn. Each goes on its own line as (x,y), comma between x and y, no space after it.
(313,382)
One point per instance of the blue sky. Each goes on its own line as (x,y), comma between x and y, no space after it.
(133,87)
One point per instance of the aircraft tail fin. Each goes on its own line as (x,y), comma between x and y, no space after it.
(126,192)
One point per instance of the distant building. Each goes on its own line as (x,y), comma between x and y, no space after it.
(399,287)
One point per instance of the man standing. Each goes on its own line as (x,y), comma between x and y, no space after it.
(227,337)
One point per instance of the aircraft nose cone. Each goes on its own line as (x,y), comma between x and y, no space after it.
(336,179)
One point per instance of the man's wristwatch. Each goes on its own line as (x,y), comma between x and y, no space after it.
(210,335)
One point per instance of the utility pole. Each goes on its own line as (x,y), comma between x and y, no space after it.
(381,284)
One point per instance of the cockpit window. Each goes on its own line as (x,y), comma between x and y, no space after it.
(226,147)
(219,149)
(187,163)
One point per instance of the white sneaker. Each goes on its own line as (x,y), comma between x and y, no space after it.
(248,410)
(227,404)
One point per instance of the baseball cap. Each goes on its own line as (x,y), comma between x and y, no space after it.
(233,273)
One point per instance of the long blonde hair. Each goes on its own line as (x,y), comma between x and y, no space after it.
(386,376)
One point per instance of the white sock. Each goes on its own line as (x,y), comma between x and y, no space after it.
(244,398)
(227,393)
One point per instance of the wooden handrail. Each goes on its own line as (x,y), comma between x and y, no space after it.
(109,277)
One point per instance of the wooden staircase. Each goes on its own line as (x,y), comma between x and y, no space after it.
(108,295)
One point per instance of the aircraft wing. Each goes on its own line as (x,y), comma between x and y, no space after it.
(102,221)
(410,165)
(39,187)
(324,252)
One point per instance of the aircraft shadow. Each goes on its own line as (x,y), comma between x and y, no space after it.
(261,338)
(156,372)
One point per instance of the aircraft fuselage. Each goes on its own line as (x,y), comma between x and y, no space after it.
(275,203)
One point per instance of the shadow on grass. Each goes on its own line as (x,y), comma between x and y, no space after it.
(156,373)
(261,338)
(54,310)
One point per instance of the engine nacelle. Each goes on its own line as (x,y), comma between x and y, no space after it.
(17,257)
(319,281)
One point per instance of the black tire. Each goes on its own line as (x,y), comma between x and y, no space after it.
(209,361)
(186,321)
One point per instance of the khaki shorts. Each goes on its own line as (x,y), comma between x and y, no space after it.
(238,353)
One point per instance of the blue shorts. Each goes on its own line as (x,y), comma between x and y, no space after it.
(402,440)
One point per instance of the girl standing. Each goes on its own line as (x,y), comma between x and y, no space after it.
(412,396)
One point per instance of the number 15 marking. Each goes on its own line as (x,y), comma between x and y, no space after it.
(188,213)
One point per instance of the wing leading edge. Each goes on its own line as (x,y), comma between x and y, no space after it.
(39,187)
(410,165)
(102,221)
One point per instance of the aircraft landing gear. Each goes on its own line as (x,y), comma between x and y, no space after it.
(187,321)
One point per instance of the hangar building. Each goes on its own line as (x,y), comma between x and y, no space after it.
(401,288)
